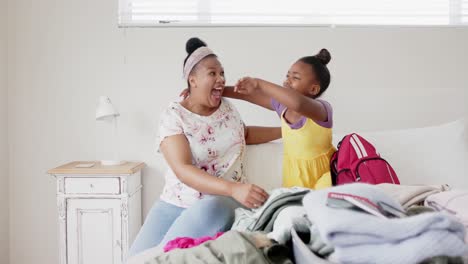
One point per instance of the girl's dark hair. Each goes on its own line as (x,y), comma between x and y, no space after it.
(319,63)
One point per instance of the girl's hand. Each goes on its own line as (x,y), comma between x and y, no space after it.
(185,93)
(246,85)
(249,195)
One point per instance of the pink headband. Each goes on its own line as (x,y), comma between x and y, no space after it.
(195,58)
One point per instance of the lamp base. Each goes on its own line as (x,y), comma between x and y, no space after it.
(112,162)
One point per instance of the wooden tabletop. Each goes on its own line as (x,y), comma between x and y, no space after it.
(128,167)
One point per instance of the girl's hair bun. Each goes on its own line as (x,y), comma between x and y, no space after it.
(324,56)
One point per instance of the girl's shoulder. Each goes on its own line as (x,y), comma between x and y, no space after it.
(277,106)
(325,103)
(328,107)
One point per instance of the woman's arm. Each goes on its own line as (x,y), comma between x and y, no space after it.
(176,151)
(293,100)
(259,135)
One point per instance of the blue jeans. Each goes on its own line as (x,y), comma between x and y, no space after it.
(165,221)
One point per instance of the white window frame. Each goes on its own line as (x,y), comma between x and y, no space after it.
(457,17)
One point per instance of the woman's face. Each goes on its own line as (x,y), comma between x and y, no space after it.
(300,78)
(207,82)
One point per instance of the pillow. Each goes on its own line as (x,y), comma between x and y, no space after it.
(428,155)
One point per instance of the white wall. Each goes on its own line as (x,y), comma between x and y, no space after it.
(64,54)
(4,204)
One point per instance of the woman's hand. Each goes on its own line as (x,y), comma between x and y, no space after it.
(246,85)
(249,195)
(185,93)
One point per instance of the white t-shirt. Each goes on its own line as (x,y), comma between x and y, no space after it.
(217,144)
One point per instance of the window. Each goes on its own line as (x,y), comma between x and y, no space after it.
(291,12)
(464,12)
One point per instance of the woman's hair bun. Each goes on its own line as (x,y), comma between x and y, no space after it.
(324,56)
(193,44)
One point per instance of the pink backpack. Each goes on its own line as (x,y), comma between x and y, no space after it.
(356,160)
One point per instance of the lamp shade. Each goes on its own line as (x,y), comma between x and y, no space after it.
(105,109)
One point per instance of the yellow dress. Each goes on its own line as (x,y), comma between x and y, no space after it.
(307,154)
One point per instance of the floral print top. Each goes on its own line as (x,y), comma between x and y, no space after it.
(217,144)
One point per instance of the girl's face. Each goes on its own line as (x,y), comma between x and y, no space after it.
(207,82)
(301,78)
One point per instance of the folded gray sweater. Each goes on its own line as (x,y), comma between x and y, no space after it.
(363,238)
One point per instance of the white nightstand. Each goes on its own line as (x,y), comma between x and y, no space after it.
(99,211)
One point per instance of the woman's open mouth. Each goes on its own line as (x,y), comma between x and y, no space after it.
(217,93)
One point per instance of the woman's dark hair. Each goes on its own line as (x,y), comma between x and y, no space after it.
(192,45)
(319,63)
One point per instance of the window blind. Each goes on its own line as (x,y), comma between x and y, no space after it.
(464,12)
(291,12)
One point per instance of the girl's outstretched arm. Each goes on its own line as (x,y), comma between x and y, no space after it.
(292,99)
(259,98)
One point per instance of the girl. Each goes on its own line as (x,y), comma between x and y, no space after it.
(306,121)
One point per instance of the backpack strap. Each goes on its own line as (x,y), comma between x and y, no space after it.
(333,163)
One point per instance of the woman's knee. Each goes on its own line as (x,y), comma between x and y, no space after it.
(158,221)
(218,210)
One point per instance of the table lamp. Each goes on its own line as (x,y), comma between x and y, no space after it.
(106,111)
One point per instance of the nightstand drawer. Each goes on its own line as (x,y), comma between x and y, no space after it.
(107,185)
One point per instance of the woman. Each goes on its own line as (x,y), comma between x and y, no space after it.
(203,141)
